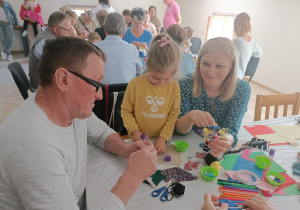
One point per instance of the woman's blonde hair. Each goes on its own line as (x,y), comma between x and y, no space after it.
(164,54)
(242,24)
(189,32)
(219,44)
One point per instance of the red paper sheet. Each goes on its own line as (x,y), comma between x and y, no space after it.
(258,130)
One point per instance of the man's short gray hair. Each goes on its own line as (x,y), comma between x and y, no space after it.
(89,13)
(57,18)
(138,14)
(115,24)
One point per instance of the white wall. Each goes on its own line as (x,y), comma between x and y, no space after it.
(274,22)
(275,28)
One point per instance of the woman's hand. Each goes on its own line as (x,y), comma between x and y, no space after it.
(210,201)
(255,203)
(220,145)
(144,45)
(201,118)
(136,44)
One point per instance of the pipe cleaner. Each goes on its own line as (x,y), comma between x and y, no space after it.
(213,132)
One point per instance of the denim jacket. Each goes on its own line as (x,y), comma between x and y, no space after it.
(10,13)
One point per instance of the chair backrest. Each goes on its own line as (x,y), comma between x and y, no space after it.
(103,107)
(196,45)
(276,100)
(251,67)
(20,78)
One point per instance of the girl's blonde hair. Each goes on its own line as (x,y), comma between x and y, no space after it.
(189,32)
(164,54)
(242,24)
(219,44)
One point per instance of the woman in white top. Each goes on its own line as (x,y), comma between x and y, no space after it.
(148,25)
(245,44)
(103,4)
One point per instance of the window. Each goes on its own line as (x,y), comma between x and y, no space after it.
(82,8)
(220,25)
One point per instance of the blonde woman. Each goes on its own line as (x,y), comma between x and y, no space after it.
(214,95)
(245,44)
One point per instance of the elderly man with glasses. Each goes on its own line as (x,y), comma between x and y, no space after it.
(59,24)
(43,143)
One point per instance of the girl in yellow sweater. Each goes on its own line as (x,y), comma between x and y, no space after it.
(151,103)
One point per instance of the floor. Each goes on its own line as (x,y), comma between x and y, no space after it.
(10,96)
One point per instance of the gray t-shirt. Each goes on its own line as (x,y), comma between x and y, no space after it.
(43,165)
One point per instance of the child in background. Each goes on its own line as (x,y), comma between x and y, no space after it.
(151,103)
(30,12)
(126,15)
(94,37)
(189,34)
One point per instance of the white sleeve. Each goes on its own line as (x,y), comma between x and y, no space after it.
(109,201)
(98,131)
(257,51)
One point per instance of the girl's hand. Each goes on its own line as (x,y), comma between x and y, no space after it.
(160,145)
(210,201)
(220,145)
(201,118)
(136,135)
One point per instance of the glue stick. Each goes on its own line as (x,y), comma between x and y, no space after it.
(143,137)
(271,153)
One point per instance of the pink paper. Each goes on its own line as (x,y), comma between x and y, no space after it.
(280,192)
(245,154)
(266,187)
(244,176)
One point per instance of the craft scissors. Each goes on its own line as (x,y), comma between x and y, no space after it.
(164,190)
(229,203)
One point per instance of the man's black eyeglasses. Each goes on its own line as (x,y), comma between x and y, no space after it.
(96,84)
(69,31)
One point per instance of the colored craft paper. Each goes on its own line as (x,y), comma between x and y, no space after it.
(243,176)
(289,133)
(156,178)
(258,130)
(291,190)
(242,163)
(229,161)
(175,156)
(280,192)
(246,155)
(273,138)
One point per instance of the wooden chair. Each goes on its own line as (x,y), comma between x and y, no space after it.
(276,101)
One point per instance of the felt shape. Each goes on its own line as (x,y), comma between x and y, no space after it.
(156,178)
(178,174)
(176,156)
(255,130)
(201,154)
(190,165)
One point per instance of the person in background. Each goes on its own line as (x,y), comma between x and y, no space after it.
(137,35)
(80,25)
(126,55)
(94,37)
(126,15)
(148,25)
(187,64)
(8,20)
(154,19)
(101,15)
(54,126)
(30,12)
(151,102)
(59,24)
(245,44)
(189,34)
(90,23)
(214,95)
(74,19)
(172,14)
(104,4)
(65,8)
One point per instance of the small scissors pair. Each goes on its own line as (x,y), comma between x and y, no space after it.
(164,190)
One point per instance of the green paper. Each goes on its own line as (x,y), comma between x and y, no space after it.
(290,190)
(229,161)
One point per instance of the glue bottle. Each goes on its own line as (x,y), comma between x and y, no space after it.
(271,153)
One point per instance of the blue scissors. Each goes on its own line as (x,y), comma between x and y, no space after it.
(164,190)
(230,203)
